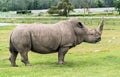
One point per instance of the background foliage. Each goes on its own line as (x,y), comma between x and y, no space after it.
(45,4)
(63,8)
(117,5)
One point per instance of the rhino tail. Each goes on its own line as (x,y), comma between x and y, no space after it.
(12,49)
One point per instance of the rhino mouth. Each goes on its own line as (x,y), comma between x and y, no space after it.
(98,39)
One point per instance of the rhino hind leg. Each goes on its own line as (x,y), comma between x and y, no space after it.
(13,57)
(61,55)
(24,58)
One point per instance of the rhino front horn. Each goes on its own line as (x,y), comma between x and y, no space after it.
(101,25)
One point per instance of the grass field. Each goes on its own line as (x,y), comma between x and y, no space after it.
(85,60)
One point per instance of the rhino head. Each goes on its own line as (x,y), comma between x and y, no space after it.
(94,35)
(90,36)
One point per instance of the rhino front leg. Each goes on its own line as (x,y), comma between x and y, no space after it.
(24,58)
(61,55)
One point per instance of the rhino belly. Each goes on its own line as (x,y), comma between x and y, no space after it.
(43,50)
(44,45)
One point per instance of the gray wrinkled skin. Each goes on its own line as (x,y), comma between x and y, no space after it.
(50,38)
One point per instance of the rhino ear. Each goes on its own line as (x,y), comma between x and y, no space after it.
(80,25)
(100,28)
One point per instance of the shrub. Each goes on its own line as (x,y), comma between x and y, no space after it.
(53,10)
(23,12)
(4,9)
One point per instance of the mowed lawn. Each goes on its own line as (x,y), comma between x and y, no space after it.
(85,60)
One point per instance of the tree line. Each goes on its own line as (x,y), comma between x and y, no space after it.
(14,5)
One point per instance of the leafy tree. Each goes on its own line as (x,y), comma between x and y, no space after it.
(3,5)
(35,4)
(117,5)
(108,3)
(99,3)
(30,5)
(62,8)
(86,5)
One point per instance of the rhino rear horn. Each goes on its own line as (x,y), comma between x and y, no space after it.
(101,25)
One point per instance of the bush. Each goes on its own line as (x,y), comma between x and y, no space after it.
(53,10)
(4,9)
(24,11)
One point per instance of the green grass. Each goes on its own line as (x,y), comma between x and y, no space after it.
(85,60)
(49,20)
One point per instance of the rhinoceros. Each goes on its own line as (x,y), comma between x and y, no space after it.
(50,38)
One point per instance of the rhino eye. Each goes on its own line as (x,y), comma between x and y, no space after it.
(91,34)
(80,25)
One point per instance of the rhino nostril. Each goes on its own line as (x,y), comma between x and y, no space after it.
(98,39)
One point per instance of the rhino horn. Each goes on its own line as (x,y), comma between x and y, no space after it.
(101,25)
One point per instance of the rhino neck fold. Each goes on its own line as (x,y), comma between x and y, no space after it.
(79,40)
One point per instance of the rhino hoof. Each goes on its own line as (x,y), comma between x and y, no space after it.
(14,65)
(61,63)
(28,65)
